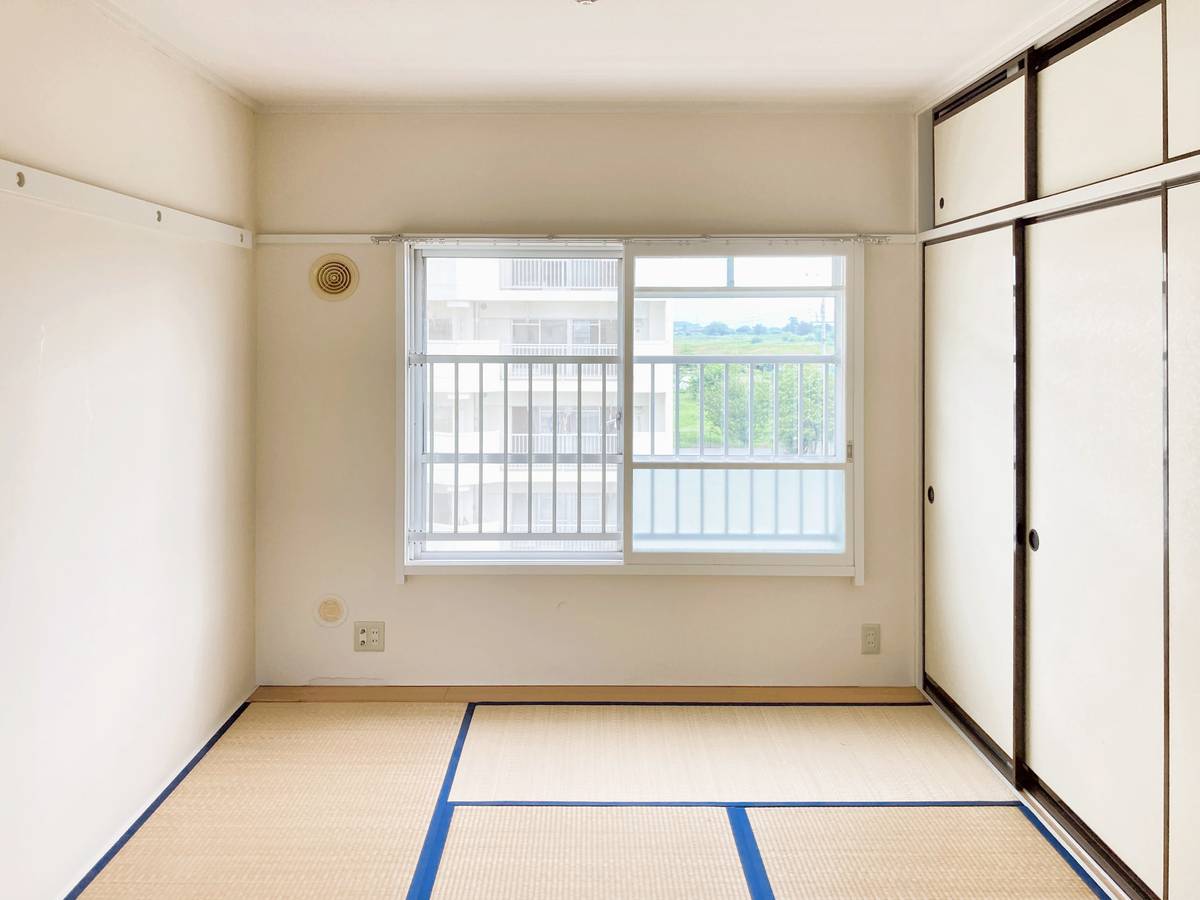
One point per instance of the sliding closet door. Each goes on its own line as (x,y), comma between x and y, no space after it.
(1183,76)
(1100,106)
(969,501)
(1095,499)
(1184,355)
(979,155)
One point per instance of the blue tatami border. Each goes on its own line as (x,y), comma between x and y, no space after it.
(157,802)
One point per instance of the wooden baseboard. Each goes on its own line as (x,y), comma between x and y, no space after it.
(279,693)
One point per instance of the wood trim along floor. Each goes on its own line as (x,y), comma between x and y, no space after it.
(274,693)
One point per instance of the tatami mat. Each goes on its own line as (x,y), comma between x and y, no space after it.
(726,754)
(548,853)
(906,853)
(303,800)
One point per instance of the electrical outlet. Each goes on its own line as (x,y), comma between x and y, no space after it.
(870,638)
(368,636)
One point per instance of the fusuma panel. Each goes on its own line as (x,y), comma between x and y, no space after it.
(979,155)
(970,380)
(1100,107)
(1095,495)
(1183,328)
(1183,76)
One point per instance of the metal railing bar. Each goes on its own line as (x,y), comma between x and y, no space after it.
(745,359)
(529,471)
(501,536)
(479,486)
(515,457)
(603,448)
(762,463)
(756,293)
(652,405)
(676,404)
(430,450)
(775,409)
(454,509)
(554,452)
(750,410)
(725,411)
(579,448)
(419,358)
(504,501)
(825,409)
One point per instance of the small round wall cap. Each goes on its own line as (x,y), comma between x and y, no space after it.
(331,611)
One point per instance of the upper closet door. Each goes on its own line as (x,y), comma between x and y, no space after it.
(970,381)
(1095,498)
(1183,76)
(1100,106)
(979,154)
(1183,329)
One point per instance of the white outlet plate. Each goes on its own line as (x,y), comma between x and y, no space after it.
(368,637)
(871,639)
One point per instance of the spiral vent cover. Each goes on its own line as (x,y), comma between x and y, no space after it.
(334,277)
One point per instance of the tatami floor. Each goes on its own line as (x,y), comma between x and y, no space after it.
(590,800)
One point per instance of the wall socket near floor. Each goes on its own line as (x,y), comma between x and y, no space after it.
(368,636)
(870,639)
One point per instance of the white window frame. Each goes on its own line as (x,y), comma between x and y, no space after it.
(850,563)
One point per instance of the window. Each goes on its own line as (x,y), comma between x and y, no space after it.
(513,435)
(740,374)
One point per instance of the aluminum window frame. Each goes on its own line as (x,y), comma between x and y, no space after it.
(410,333)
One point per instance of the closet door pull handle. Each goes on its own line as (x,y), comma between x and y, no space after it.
(1034,540)
(929,493)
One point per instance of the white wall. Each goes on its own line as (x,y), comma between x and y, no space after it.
(327,372)
(126,476)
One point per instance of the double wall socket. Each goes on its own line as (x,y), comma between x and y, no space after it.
(871,638)
(368,636)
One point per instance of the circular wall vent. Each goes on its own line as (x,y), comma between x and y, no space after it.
(331,611)
(334,277)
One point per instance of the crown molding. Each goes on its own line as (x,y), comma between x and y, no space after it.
(116,14)
(352,106)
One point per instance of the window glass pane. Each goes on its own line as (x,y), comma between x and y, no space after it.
(739,511)
(517,460)
(786,271)
(741,326)
(486,306)
(681,271)
(765,410)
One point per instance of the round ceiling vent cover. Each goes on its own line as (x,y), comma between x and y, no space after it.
(334,277)
(331,611)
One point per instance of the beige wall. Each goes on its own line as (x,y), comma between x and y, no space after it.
(87,99)
(620,173)
(327,389)
(126,476)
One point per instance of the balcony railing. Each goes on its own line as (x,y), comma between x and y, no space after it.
(544,370)
(739,408)
(569,443)
(462,454)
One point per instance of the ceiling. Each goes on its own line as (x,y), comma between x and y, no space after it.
(306,53)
